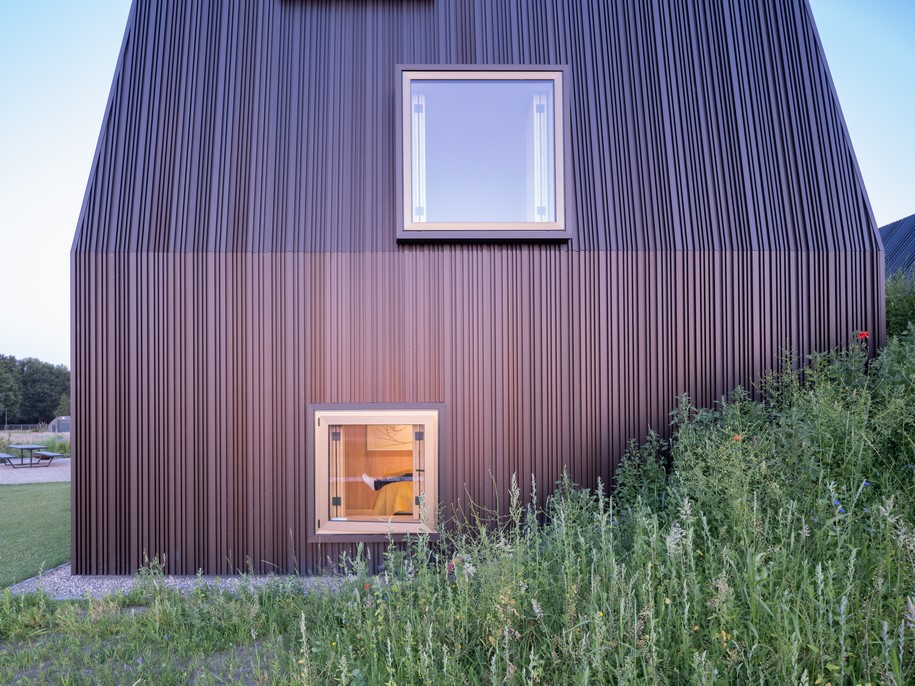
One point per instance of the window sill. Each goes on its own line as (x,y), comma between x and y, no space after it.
(484,235)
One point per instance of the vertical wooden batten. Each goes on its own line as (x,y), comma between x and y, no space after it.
(235,259)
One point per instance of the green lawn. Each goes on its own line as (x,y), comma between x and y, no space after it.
(34,530)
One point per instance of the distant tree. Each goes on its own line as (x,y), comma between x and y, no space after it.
(42,386)
(63,406)
(10,387)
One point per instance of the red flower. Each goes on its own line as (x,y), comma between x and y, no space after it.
(736,437)
(367,586)
(863,336)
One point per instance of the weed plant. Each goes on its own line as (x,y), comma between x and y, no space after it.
(57,444)
(900,301)
(769,541)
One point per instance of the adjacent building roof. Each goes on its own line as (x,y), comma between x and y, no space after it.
(899,244)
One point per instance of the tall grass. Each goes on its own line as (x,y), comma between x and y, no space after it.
(778,547)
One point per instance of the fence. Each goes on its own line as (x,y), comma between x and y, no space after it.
(23,427)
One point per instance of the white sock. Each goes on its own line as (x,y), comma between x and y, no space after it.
(369,481)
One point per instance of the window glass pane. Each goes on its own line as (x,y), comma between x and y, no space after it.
(483,150)
(375,471)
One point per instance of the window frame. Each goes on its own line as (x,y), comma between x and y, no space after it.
(408,230)
(321,527)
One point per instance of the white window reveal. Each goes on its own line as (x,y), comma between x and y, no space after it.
(482,151)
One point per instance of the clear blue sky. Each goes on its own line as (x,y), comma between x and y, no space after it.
(57,60)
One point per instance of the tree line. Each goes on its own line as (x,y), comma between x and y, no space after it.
(32,391)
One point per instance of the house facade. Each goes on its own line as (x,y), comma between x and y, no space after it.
(343,268)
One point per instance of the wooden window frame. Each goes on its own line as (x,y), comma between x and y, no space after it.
(559,230)
(322,527)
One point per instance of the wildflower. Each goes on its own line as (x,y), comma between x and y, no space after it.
(866,483)
(333,643)
(535,606)
(736,437)
(695,627)
(667,601)
(819,680)
(367,586)
(600,614)
(674,538)
(863,336)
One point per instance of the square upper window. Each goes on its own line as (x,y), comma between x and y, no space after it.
(376,471)
(482,153)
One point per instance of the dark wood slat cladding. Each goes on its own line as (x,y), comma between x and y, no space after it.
(269,126)
(899,245)
(235,257)
(195,370)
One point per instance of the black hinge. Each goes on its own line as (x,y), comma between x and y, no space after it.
(336,500)
(335,435)
(419,435)
(416,500)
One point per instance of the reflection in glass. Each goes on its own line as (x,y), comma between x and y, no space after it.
(483,150)
(376,472)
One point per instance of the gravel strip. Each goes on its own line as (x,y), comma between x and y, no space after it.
(60,584)
(58,470)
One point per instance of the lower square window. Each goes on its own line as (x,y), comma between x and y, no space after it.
(376,471)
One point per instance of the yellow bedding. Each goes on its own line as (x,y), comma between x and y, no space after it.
(396,498)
